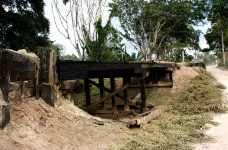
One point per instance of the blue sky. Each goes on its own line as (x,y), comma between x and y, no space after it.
(59,39)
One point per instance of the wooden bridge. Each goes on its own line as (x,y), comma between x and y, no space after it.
(149,74)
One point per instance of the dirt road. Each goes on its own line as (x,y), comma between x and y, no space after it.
(220,132)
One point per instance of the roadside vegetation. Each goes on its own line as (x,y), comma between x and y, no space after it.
(187,113)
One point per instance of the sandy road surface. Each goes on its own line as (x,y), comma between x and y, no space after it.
(220,132)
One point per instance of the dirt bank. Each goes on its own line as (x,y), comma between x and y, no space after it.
(35,125)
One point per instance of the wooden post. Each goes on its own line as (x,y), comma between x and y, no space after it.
(101,84)
(87,92)
(24,90)
(5,72)
(143,94)
(126,104)
(112,81)
(171,77)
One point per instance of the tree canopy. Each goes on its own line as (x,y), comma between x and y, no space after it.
(23,25)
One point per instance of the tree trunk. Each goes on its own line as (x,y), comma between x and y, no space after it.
(223,49)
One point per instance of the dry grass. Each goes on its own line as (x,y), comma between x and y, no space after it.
(183,123)
(187,111)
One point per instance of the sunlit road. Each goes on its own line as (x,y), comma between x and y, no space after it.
(220,132)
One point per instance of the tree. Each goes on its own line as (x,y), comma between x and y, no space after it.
(149,24)
(74,17)
(107,45)
(217,36)
(23,25)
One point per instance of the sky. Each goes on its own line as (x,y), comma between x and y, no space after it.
(69,49)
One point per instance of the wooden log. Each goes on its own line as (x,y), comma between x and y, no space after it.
(4,114)
(126,104)
(146,117)
(106,89)
(113,86)
(17,57)
(108,96)
(87,92)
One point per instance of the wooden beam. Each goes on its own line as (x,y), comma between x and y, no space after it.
(159,85)
(108,96)
(87,92)
(106,89)
(22,76)
(101,84)
(113,86)
(146,117)
(23,66)
(143,94)
(5,72)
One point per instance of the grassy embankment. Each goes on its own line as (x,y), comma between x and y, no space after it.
(187,111)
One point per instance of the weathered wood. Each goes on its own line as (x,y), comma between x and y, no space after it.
(101,84)
(23,66)
(146,117)
(24,90)
(5,71)
(17,85)
(87,92)
(22,76)
(4,114)
(106,89)
(112,82)
(125,92)
(47,93)
(31,92)
(143,94)
(108,96)
(159,85)
(47,69)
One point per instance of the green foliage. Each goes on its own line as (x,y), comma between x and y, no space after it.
(107,44)
(148,24)
(188,58)
(23,25)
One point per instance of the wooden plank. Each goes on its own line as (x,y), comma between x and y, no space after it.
(23,66)
(22,76)
(72,75)
(87,92)
(146,117)
(108,96)
(106,89)
(17,85)
(159,85)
